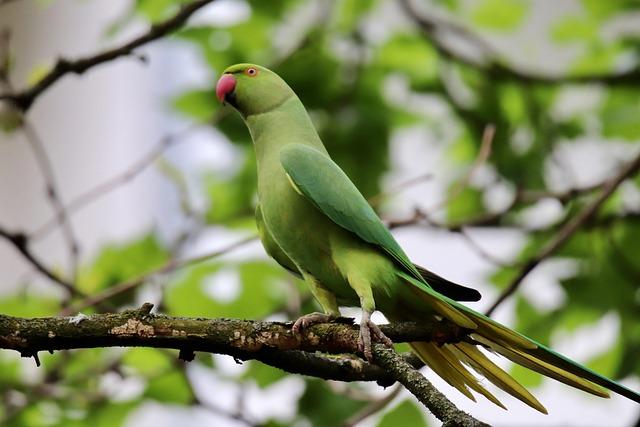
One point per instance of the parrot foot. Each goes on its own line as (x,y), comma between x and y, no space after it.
(311,319)
(368,329)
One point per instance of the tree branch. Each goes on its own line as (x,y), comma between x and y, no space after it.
(25,98)
(133,283)
(569,229)
(420,387)
(21,242)
(272,343)
(491,61)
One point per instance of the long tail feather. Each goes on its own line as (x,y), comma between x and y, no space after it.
(506,342)
(447,352)
(472,356)
(433,359)
(544,368)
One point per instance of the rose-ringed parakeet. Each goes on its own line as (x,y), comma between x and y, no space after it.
(315,223)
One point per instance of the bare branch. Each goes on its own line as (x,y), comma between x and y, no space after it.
(24,99)
(377,198)
(565,233)
(5,2)
(53,194)
(493,63)
(270,342)
(483,155)
(110,184)
(373,407)
(21,242)
(131,284)
(421,388)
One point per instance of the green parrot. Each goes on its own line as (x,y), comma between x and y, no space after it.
(315,223)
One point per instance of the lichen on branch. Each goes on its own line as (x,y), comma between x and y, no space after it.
(327,351)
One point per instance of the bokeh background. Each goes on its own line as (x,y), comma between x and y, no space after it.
(148,169)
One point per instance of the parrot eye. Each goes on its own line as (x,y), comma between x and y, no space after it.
(251,72)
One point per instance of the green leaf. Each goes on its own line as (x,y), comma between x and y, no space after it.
(575,29)
(198,104)
(171,387)
(405,414)
(147,361)
(264,375)
(10,369)
(119,262)
(10,118)
(28,305)
(157,10)
(599,59)
(231,199)
(323,408)
(467,204)
(513,102)
(37,73)
(411,55)
(620,114)
(108,414)
(607,362)
(350,12)
(499,15)
(526,377)
(605,9)
(260,292)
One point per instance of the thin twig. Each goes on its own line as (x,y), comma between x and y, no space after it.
(422,388)
(377,198)
(21,242)
(53,194)
(567,231)
(482,252)
(236,415)
(483,155)
(131,284)
(373,407)
(492,62)
(24,99)
(112,183)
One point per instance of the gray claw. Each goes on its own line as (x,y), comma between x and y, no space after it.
(368,329)
(309,320)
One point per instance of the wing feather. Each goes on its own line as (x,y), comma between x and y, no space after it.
(322,182)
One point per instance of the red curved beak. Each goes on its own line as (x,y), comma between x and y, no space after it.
(225,86)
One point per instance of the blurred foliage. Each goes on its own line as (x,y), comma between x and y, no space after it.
(364,73)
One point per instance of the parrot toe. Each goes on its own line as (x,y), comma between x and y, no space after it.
(311,319)
(369,330)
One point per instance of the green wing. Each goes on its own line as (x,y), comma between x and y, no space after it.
(321,181)
(271,246)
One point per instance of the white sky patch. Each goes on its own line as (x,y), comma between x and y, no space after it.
(521,140)
(206,384)
(499,196)
(483,176)
(224,286)
(278,401)
(588,341)
(574,101)
(585,161)
(541,287)
(228,365)
(542,214)
(631,196)
(222,13)
(121,389)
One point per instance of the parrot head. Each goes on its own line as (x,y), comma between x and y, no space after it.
(252,89)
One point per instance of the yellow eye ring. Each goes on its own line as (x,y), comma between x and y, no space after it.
(251,72)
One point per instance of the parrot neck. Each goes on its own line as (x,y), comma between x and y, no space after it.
(288,123)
